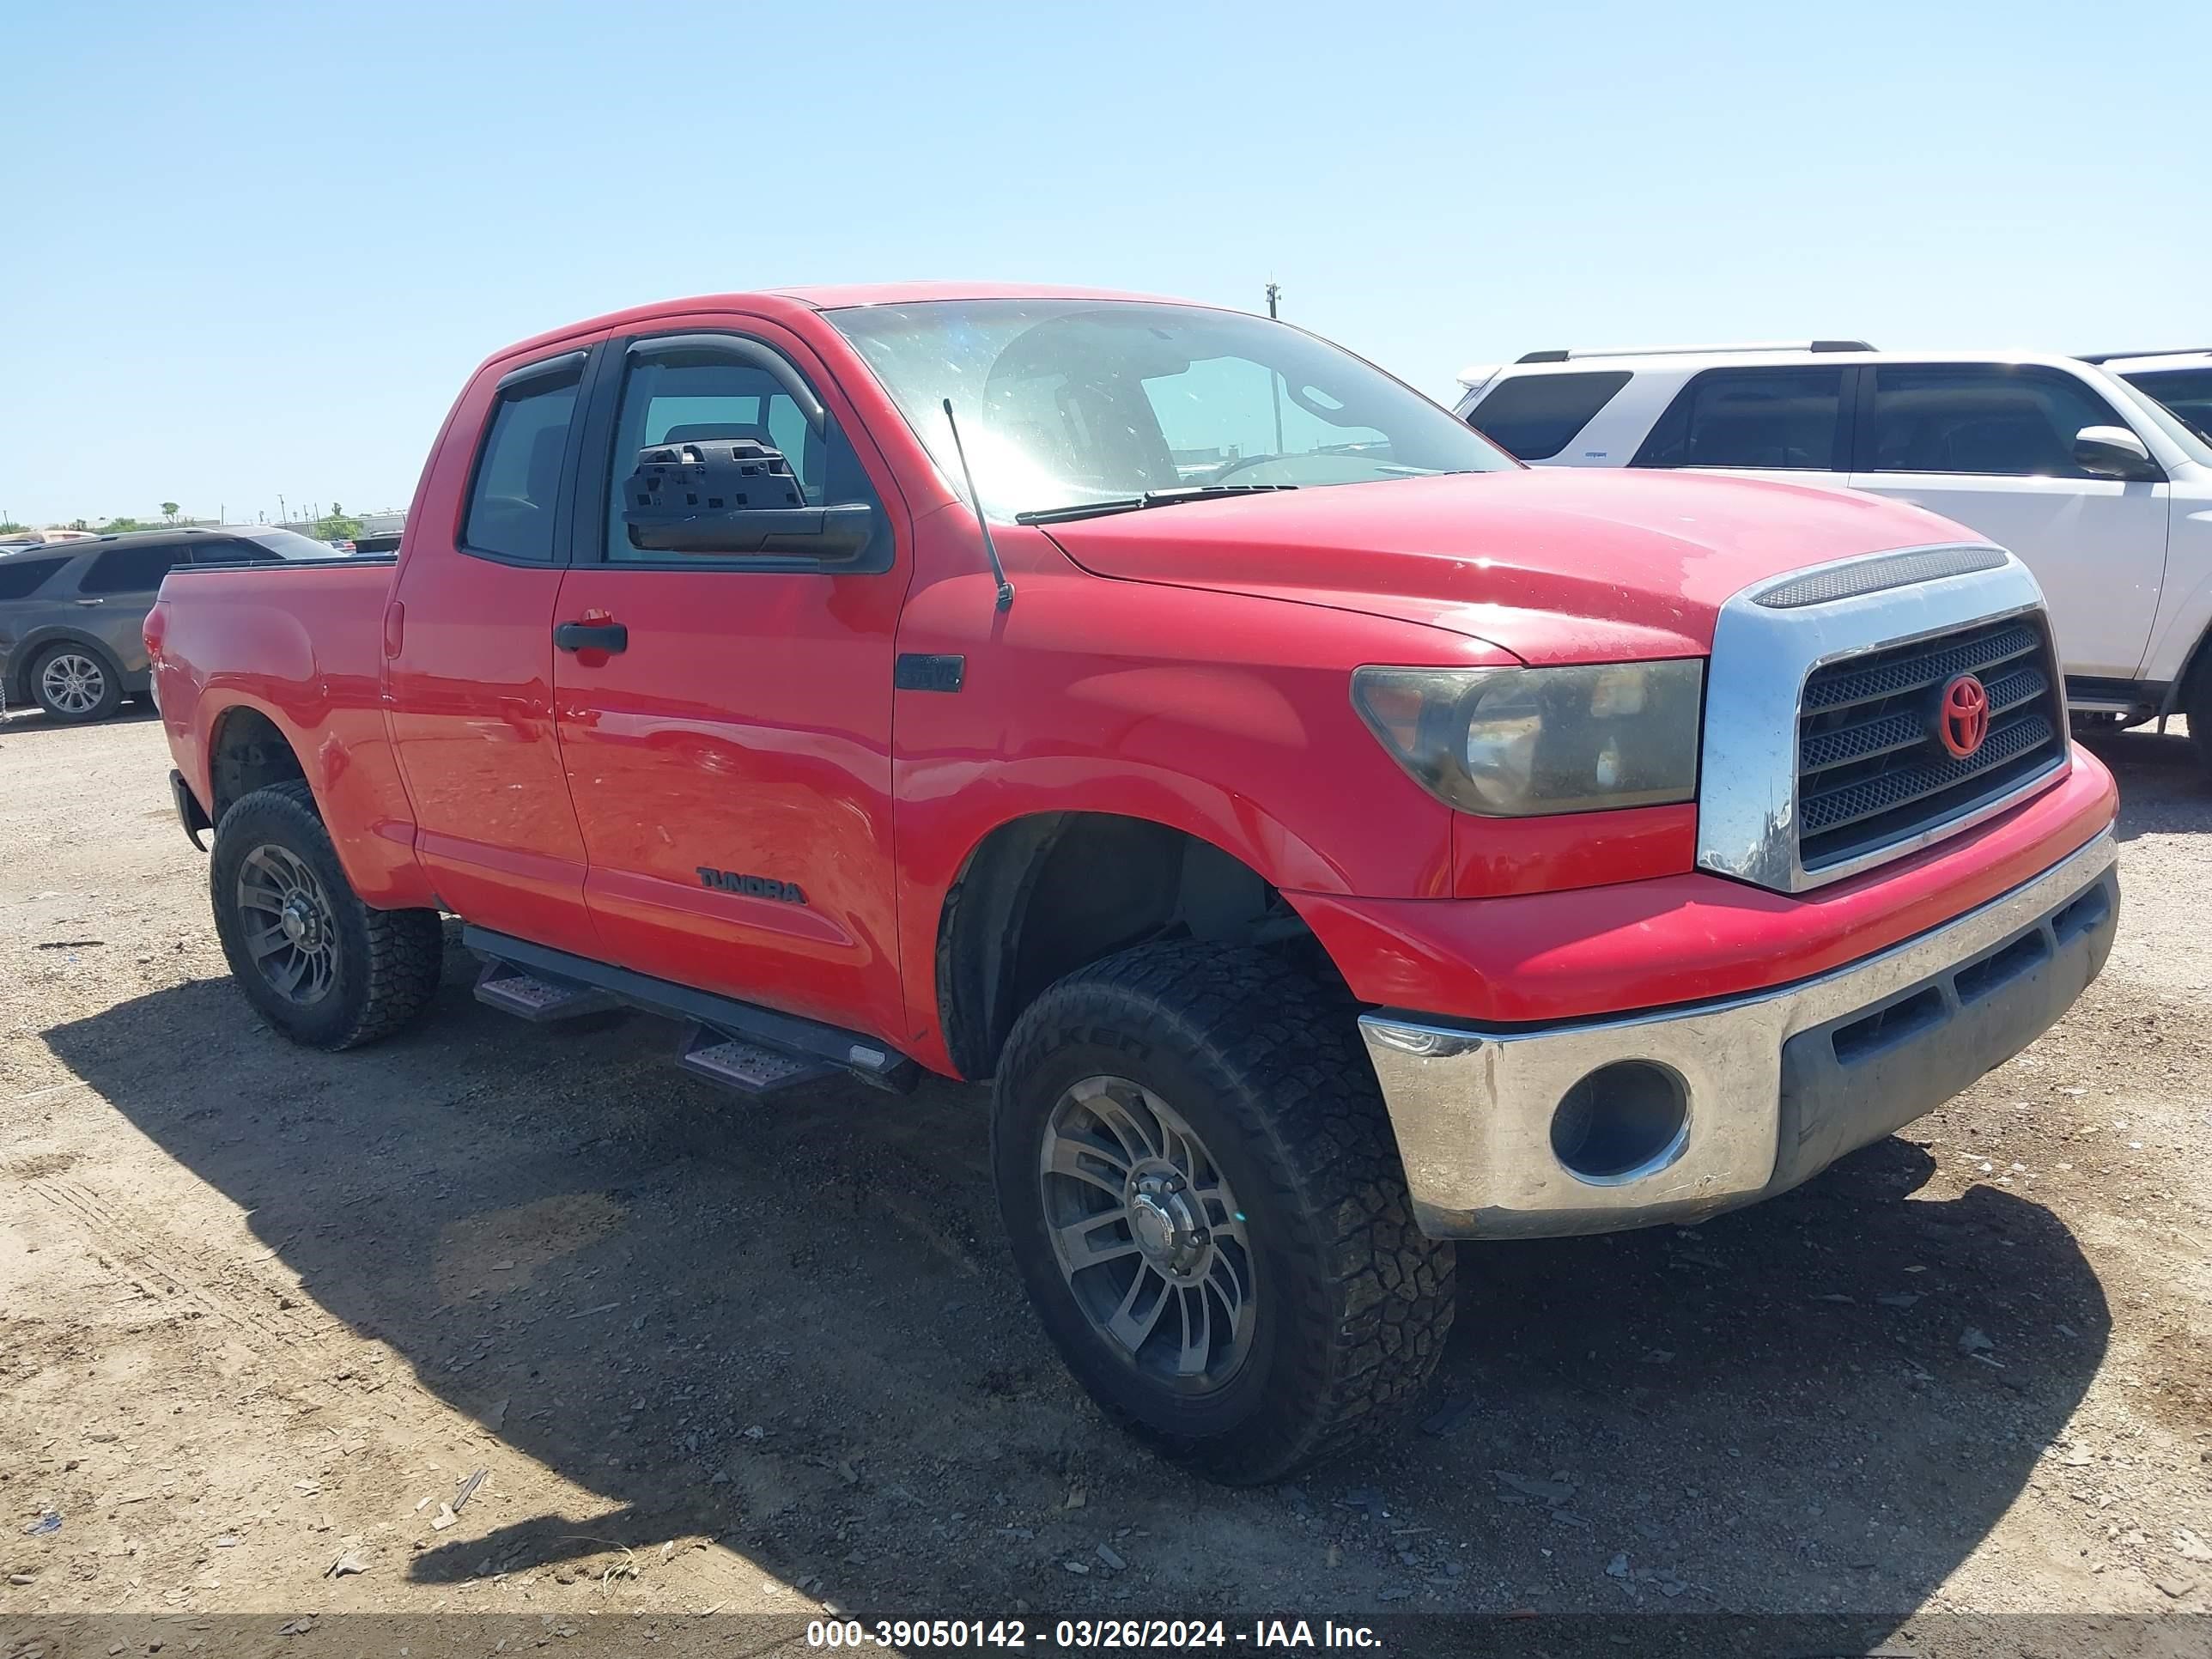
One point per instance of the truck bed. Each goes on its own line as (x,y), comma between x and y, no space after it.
(300,643)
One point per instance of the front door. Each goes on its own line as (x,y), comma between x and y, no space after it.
(469,666)
(1991,446)
(731,762)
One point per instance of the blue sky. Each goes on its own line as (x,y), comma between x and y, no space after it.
(256,249)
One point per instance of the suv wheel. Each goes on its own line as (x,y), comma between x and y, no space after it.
(323,968)
(1207,1207)
(73,682)
(2196,710)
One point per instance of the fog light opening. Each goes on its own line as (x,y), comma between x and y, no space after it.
(1622,1121)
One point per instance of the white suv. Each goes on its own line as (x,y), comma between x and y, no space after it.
(2101,490)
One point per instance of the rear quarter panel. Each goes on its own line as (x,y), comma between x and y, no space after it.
(305,647)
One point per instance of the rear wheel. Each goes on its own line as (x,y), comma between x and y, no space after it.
(322,967)
(2196,710)
(74,682)
(1205,1204)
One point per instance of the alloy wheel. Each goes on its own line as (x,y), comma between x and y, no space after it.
(1147,1234)
(72,682)
(290,928)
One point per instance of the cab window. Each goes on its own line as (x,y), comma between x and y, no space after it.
(512,497)
(686,391)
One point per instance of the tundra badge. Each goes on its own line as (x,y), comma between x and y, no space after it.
(767,887)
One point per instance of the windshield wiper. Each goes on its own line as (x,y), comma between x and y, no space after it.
(1138,503)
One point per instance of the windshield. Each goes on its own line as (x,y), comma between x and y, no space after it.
(2187,393)
(1066,401)
(290,544)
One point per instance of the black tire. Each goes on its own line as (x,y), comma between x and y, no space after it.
(2196,709)
(1352,1303)
(381,966)
(64,700)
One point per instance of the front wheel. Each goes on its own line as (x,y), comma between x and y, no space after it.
(1206,1204)
(323,968)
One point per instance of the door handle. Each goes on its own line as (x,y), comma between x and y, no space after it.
(592,636)
(92,601)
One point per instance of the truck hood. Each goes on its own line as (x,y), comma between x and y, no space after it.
(1577,564)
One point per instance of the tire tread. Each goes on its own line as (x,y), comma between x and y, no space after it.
(1299,1082)
(406,948)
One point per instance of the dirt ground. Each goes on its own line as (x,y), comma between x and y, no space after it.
(261,1309)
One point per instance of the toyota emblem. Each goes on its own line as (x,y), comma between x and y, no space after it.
(1962,720)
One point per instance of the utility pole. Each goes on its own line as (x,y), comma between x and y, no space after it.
(1274,293)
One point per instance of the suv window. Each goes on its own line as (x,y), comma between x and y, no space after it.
(693,392)
(20,577)
(518,476)
(1982,418)
(1532,416)
(277,542)
(132,569)
(1784,418)
(222,550)
(2186,391)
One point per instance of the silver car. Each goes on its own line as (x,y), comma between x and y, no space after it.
(71,613)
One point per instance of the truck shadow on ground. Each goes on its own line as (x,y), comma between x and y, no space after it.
(791,1324)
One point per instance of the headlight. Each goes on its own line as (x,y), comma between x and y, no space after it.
(1523,742)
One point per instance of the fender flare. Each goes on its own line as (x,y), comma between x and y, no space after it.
(29,651)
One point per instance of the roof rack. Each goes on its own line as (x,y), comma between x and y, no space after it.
(2171,351)
(1575,353)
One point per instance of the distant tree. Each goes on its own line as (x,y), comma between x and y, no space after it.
(336,526)
(123,526)
(9,526)
(169,511)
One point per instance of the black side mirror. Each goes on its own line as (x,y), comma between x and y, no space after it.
(734,496)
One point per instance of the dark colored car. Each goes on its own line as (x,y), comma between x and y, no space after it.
(71,613)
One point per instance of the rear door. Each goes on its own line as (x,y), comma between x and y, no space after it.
(115,592)
(1781,421)
(731,762)
(469,659)
(1991,446)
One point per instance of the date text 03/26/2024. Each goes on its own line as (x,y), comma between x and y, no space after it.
(1086,1635)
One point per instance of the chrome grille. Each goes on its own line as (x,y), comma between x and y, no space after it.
(1871,771)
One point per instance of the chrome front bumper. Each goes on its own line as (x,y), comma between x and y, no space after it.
(1777,1084)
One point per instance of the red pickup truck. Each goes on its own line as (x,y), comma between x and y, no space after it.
(1331,839)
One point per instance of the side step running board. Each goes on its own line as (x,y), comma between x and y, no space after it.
(535,997)
(750,1068)
(740,1044)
